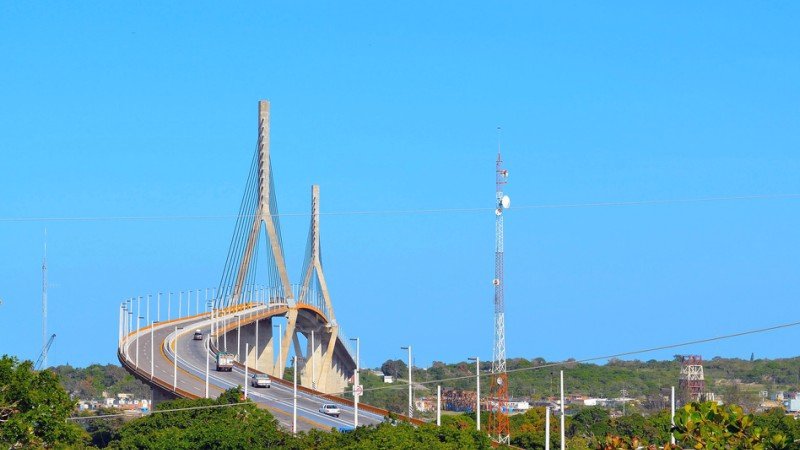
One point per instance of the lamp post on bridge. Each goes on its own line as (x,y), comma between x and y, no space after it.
(294,396)
(122,318)
(356,381)
(246,349)
(180,304)
(138,320)
(238,337)
(410,395)
(280,348)
(158,307)
(207,345)
(175,366)
(152,349)
(169,305)
(313,363)
(256,349)
(478,395)
(130,326)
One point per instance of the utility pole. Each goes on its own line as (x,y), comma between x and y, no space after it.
(44,303)
(410,393)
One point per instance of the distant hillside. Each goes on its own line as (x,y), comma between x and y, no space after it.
(640,379)
(90,382)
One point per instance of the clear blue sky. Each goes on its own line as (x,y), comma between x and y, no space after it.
(122,109)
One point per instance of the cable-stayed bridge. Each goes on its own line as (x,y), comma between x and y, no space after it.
(256,313)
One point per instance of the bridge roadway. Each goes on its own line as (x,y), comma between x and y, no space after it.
(192,368)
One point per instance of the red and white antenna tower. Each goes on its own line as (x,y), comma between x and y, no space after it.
(498,391)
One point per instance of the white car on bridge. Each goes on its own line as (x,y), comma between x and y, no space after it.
(260,380)
(330,409)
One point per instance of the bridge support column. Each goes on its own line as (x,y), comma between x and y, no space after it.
(313,363)
(328,379)
(266,351)
(286,342)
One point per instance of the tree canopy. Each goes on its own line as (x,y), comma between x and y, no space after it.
(34,408)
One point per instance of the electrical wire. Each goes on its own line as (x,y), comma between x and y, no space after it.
(522,369)
(606,357)
(188,408)
(407,211)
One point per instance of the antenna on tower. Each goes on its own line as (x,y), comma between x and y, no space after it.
(499,427)
(44,303)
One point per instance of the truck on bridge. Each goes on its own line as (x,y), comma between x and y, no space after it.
(225,362)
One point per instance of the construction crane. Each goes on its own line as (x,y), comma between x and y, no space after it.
(43,355)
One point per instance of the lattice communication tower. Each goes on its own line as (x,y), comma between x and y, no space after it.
(692,383)
(498,391)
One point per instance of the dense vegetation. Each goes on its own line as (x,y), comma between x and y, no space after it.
(89,383)
(34,412)
(698,425)
(639,378)
(34,408)
(735,378)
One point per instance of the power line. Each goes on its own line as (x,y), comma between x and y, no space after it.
(521,369)
(604,204)
(156,411)
(615,355)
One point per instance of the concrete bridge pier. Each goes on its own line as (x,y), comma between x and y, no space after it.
(261,355)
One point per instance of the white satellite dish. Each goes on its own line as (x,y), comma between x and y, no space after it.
(506,202)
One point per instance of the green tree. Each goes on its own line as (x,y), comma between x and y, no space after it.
(590,422)
(394,367)
(711,426)
(223,423)
(102,431)
(34,408)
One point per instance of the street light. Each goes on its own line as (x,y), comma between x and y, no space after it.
(256,349)
(152,354)
(280,349)
(478,396)
(122,317)
(130,326)
(238,337)
(137,340)
(208,350)
(410,398)
(313,362)
(356,394)
(213,324)
(563,442)
(224,331)
(175,369)
(246,349)
(294,396)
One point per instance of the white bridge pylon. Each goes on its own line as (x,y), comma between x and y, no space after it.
(323,365)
